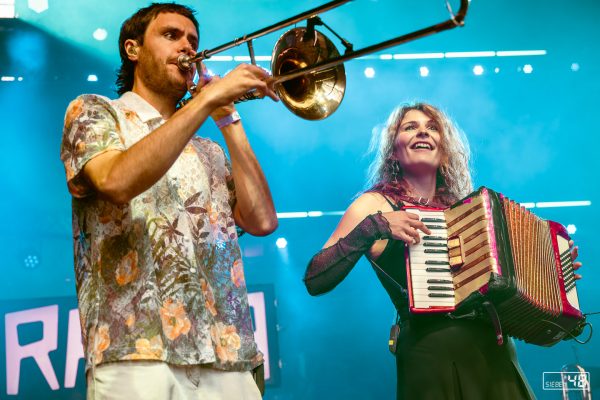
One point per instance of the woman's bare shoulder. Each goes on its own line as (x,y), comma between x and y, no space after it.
(369,203)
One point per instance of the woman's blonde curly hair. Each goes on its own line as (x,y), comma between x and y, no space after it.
(453,178)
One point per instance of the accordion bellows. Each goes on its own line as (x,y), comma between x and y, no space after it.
(489,248)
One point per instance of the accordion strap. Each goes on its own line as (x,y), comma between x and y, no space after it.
(491,310)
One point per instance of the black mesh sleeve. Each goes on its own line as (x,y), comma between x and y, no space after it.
(331,265)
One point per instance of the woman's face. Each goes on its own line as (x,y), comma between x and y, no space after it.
(417,143)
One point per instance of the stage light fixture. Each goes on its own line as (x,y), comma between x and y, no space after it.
(521,53)
(469,54)
(424,71)
(38,6)
(7,9)
(571,229)
(553,204)
(575,67)
(100,34)
(7,79)
(92,78)
(478,70)
(418,56)
(496,70)
(281,243)
(370,72)
(293,214)
(527,69)
(31,261)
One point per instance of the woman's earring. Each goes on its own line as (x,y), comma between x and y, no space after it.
(444,171)
(395,170)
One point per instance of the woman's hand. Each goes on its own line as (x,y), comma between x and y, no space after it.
(405,226)
(574,254)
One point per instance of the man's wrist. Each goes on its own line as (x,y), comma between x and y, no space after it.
(228,119)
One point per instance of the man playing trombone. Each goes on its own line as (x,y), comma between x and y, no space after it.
(160,280)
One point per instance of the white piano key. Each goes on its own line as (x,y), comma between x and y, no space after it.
(573,298)
(421,258)
(418,266)
(428,302)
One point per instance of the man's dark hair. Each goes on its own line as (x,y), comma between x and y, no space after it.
(135,28)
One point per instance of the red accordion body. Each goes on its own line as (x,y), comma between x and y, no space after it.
(489,248)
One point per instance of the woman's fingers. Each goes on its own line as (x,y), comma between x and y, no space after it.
(417,224)
(422,227)
(406,226)
(409,235)
(415,235)
(574,251)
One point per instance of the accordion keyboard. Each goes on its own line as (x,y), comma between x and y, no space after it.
(430,275)
(566,264)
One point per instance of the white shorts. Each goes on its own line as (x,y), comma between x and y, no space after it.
(155,380)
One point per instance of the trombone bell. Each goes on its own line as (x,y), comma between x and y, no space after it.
(316,95)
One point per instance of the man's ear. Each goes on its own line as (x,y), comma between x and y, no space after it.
(131,48)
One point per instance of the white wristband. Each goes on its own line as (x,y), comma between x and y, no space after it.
(228,120)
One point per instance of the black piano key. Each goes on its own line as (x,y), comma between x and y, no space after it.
(570,280)
(436,262)
(435,251)
(440,288)
(568,269)
(440,295)
(430,244)
(435,226)
(427,237)
(439,281)
(431,269)
(432,219)
(565,254)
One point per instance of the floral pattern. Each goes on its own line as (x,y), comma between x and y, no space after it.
(227,340)
(174,319)
(237,273)
(161,277)
(147,350)
(101,342)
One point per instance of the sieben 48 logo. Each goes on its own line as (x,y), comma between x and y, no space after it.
(567,381)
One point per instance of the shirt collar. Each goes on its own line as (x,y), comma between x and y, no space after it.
(142,108)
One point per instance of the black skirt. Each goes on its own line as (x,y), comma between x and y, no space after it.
(440,358)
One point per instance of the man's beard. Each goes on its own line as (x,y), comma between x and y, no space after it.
(160,80)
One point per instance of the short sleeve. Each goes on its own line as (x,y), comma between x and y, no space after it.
(91,128)
(229,181)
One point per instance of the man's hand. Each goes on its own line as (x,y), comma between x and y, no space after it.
(222,92)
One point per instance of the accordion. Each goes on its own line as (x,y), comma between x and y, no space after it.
(487,248)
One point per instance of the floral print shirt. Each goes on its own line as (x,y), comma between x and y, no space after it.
(161,277)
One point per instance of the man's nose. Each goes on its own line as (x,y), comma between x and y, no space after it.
(187,48)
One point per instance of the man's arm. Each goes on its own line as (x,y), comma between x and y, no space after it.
(254,210)
(119,176)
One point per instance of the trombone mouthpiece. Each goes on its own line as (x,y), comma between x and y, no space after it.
(183,62)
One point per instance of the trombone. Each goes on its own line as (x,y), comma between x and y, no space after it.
(308,71)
